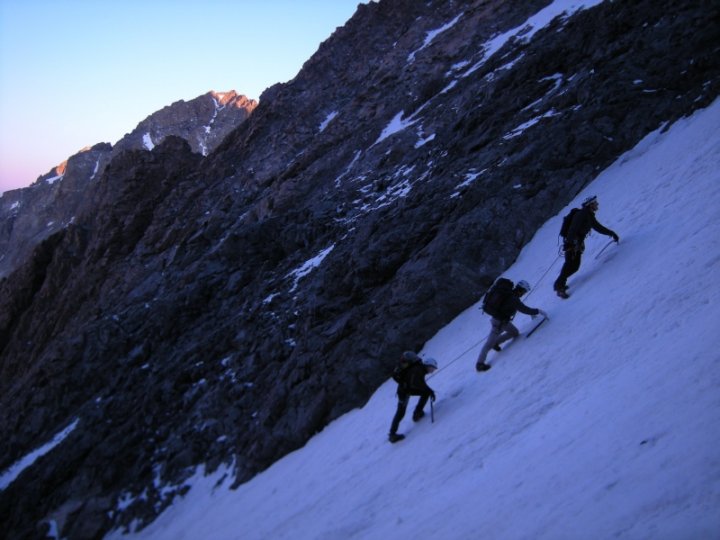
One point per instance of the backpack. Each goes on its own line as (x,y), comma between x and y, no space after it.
(496,302)
(567,220)
(406,360)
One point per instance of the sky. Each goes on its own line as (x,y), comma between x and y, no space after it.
(602,424)
(79,72)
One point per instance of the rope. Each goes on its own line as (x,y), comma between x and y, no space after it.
(543,276)
(479,342)
(455,359)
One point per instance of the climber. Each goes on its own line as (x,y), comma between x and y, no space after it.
(410,376)
(576,226)
(502,302)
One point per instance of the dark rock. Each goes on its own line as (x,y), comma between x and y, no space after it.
(54,200)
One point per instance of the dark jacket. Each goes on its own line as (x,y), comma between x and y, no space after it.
(582,222)
(414,381)
(513,304)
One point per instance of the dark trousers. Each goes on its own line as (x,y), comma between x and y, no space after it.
(572,265)
(403,400)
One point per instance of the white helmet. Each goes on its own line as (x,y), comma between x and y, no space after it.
(409,356)
(430,361)
(524,285)
(590,201)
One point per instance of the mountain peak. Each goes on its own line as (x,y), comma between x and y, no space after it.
(52,201)
(231,97)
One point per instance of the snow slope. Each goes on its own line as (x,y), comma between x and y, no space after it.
(605,423)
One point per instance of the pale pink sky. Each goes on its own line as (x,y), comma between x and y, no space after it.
(76,73)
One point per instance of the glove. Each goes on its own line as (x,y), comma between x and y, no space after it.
(432,395)
(540,313)
(615,237)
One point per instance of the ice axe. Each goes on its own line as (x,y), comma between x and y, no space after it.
(530,333)
(605,247)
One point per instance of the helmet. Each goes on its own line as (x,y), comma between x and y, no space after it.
(590,200)
(410,356)
(524,285)
(430,362)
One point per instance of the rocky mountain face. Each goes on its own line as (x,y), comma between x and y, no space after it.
(203,122)
(29,215)
(223,309)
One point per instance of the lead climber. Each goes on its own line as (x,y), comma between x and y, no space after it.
(576,227)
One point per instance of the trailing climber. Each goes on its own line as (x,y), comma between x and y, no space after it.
(411,382)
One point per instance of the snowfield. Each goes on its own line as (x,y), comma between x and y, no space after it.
(604,424)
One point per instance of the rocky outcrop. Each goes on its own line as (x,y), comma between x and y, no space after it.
(225,309)
(29,215)
(203,122)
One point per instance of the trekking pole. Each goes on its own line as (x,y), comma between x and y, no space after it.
(432,412)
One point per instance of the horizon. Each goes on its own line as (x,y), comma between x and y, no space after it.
(99,85)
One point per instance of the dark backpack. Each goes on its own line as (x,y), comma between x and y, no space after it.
(567,220)
(407,359)
(496,302)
